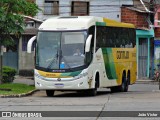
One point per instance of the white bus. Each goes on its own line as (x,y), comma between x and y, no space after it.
(84,53)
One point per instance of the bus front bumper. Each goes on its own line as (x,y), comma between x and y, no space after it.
(63,84)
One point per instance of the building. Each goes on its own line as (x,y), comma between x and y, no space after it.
(26,61)
(140,15)
(102,8)
(157,34)
(16,56)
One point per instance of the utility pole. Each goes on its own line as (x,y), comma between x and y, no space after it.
(1,53)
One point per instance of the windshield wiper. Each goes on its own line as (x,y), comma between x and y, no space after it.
(53,60)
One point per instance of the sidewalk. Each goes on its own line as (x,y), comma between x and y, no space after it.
(24,80)
(146,81)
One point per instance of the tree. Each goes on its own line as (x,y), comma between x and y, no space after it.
(11,20)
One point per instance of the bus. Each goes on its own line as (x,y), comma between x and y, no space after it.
(107,56)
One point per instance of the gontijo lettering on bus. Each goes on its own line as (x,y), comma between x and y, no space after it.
(122,54)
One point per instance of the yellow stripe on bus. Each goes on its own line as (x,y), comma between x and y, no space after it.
(49,75)
(114,23)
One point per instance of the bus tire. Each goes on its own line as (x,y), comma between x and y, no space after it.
(50,93)
(93,92)
(124,85)
(127,83)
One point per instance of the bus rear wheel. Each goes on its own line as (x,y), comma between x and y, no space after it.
(127,83)
(124,86)
(50,93)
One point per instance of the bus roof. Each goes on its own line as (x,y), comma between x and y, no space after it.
(79,23)
(114,23)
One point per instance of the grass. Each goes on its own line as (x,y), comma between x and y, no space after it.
(16,88)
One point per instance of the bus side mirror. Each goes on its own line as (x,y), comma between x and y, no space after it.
(29,45)
(88,43)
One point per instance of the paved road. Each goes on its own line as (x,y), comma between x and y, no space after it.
(140,97)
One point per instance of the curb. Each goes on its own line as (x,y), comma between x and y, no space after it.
(147,82)
(19,95)
(152,83)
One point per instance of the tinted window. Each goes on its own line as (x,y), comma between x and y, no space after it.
(115,37)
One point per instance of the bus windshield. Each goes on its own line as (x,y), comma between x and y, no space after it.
(60,50)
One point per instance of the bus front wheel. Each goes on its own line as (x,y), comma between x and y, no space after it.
(93,92)
(50,93)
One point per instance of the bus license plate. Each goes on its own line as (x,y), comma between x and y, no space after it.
(59,85)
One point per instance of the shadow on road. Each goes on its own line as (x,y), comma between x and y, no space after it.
(70,94)
(80,94)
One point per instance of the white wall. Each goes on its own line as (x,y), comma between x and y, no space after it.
(108,8)
(103,8)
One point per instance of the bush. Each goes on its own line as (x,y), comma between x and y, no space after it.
(8,74)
